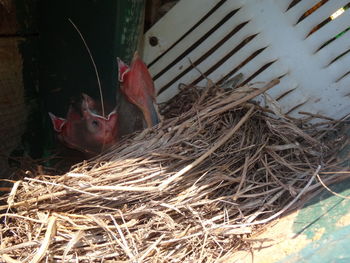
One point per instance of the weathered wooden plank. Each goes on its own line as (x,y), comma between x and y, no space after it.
(8,18)
(12,102)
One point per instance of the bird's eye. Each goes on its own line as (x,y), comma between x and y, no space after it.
(95,123)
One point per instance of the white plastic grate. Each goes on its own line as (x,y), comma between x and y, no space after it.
(294,40)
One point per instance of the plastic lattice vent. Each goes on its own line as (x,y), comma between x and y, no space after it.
(304,43)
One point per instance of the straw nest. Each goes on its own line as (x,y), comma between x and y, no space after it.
(193,189)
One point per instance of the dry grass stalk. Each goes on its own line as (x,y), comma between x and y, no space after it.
(189,190)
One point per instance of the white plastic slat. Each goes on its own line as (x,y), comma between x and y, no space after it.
(317,102)
(204,47)
(282,5)
(285,104)
(170,28)
(299,100)
(285,42)
(287,83)
(339,106)
(321,14)
(199,32)
(254,65)
(298,10)
(334,49)
(326,99)
(226,67)
(275,70)
(169,93)
(345,82)
(331,29)
(339,67)
(231,63)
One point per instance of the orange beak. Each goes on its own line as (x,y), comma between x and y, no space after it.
(138,87)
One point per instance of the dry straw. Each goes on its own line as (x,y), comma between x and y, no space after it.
(193,189)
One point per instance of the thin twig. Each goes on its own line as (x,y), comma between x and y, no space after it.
(50,233)
(93,63)
(330,190)
(209,152)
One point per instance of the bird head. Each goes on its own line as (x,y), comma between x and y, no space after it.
(138,87)
(85,130)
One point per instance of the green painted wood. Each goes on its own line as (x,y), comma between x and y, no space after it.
(110,28)
(27,18)
(319,220)
(332,247)
(323,211)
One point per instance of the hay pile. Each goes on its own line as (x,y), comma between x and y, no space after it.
(192,190)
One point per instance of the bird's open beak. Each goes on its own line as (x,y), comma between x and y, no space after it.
(149,112)
(122,69)
(57,122)
(141,84)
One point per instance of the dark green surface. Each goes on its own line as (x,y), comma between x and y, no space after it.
(110,28)
(321,215)
(64,69)
(323,211)
(332,247)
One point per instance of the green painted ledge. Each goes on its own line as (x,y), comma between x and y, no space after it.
(325,219)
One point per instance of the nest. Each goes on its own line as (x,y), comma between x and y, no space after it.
(193,189)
